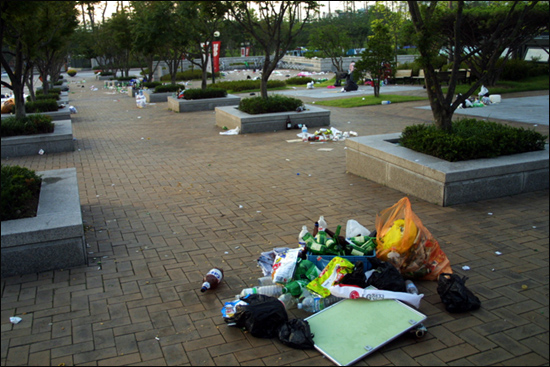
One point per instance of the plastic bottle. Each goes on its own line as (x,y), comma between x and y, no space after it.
(304,133)
(411,288)
(302,234)
(322,223)
(267,280)
(305,237)
(386,102)
(294,287)
(288,300)
(315,304)
(267,290)
(212,279)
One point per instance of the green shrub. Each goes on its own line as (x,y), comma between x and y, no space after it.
(299,80)
(54,91)
(32,124)
(151,85)
(168,88)
(20,189)
(41,97)
(517,70)
(203,94)
(471,139)
(107,73)
(71,72)
(245,85)
(274,103)
(45,105)
(126,78)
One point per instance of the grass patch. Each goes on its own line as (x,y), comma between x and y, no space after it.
(360,101)
(540,82)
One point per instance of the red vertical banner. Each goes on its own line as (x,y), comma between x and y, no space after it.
(216,55)
(247,51)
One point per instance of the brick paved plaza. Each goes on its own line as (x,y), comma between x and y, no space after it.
(165,198)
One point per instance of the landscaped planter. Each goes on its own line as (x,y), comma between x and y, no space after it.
(61,114)
(379,159)
(231,118)
(192,105)
(54,239)
(152,97)
(61,140)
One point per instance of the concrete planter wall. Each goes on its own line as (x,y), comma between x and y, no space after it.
(151,97)
(184,105)
(61,140)
(54,239)
(231,117)
(435,180)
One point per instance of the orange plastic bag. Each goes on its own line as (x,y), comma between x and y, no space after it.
(403,241)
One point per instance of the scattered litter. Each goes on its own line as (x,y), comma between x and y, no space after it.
(234,131)
(237,247)
(240,206)
(524,287)
(465,267)
(157,338)
(72,109)
(490,213)
(325,149)
(294,141)
(498,253)
(139,117)
(41,152)
(226,252)
(15,320)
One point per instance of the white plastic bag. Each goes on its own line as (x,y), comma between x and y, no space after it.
(354,229)
(234,131)
(483,91)
(284,265)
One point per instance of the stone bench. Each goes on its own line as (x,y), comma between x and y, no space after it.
(378,158)
(231,117)
(192,105)
(54,239)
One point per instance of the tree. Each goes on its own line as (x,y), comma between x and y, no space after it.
(33,33)
(202,18)
(329,37)
(377,55)
(430,28)
(274,28)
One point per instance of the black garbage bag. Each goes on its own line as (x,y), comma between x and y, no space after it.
(296,334)
(386,276)
(454,294)
(356,277)
(262,317)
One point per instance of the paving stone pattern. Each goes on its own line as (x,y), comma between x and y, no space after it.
(165,198)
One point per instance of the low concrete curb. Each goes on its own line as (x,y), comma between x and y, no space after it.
(61,140)
(444,183)
(54,239)
(231,117)
(184,105)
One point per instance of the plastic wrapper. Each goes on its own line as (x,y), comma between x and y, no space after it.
(403,241)
(336,269)
(284,265)
(267,259)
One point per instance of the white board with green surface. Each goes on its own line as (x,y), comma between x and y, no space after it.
(353,328)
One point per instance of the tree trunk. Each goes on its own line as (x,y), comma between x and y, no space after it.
(442,111)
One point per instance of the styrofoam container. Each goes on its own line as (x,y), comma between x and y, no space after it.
(495,98)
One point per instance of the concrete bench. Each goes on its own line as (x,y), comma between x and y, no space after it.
(404,75)
(420,77)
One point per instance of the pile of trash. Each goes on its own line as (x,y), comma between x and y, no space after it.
(483,99)
(328,267)
(323,134)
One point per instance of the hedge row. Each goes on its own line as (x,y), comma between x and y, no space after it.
(44,105)
(274,103)
(33,124)
(471,139)
(203,94)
